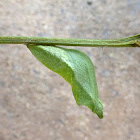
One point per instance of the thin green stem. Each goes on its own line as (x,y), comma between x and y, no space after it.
(133,41)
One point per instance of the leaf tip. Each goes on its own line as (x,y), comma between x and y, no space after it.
(99,110)
(100,115)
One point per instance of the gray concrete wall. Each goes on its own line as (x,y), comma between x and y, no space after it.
(36,103)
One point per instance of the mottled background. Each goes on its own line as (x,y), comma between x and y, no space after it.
(37,104)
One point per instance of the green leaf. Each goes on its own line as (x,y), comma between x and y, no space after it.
(76,68)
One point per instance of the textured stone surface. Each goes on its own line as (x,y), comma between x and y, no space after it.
(36,103)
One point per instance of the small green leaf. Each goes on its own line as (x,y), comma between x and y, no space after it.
(76,68)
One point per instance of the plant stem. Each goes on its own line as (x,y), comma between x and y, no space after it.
(133,41)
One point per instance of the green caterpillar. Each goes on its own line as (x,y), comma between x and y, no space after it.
(76,68)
